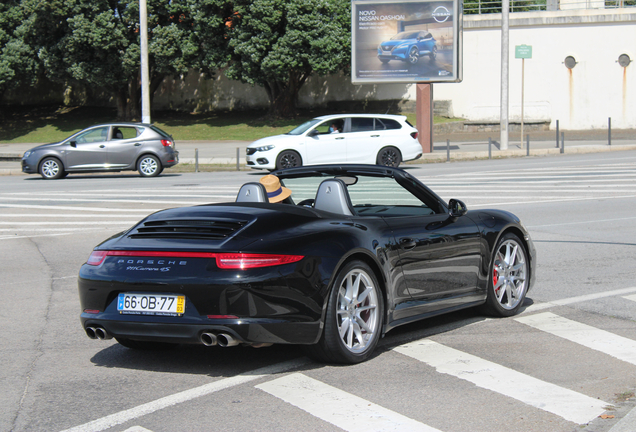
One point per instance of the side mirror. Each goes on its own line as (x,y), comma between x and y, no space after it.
(73,143)
(312,133)
(456,208)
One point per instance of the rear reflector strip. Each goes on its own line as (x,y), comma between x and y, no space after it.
(223,260)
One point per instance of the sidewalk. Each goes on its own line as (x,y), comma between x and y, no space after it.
(462,146)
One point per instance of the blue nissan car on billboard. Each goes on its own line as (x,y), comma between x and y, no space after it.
(408,46)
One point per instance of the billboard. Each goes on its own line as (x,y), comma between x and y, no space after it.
(406,41)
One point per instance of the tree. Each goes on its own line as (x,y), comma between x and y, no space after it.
(18,62)
(96,42)
(279,44)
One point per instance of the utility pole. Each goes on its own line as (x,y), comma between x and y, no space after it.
(505,9)
(145,80)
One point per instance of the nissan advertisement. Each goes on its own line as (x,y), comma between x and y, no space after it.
(407,41)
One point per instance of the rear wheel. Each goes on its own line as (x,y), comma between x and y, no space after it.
(433,54)
(51,169)
(145,345)
(509,276)
(354,316)
(149,166)
(288,159)
(389,156)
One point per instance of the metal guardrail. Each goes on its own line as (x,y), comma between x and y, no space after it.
(486,7)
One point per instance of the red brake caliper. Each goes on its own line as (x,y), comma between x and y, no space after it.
(495,278)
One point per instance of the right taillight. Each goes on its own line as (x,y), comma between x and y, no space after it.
(166,143)
(414,135)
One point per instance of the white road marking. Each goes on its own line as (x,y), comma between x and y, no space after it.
(344,410)
(137,429)
(76,208)
(92,223)
(568,404)
(578,299)
(630,297)
(600,340)
(184,396)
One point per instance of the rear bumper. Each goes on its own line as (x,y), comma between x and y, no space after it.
(249,331)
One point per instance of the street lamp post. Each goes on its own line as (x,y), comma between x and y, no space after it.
(145,80)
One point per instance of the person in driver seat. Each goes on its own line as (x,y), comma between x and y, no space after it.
(275,191)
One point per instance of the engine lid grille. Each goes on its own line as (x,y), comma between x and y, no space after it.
(206,229)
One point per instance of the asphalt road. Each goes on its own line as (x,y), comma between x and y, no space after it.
(567,363)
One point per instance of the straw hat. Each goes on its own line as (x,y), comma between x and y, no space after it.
(275,192)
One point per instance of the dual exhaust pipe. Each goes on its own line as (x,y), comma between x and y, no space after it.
(207,338)
(221,339)
(98,333)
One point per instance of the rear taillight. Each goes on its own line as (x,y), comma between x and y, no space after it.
(414,135)
(223,260)
(96,258)
(246,261)
(166,143)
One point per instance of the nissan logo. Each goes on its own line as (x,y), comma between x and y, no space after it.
(441,14)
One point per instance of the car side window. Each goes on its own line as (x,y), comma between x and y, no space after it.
(94,135)
(385,124)
(361,124)
(383,196)
(124,132)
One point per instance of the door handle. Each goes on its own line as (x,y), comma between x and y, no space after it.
(340,138)
(137,144)
(374,136)
(102,146)
(407,243)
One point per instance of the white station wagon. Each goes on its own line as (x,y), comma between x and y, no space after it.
(345,138)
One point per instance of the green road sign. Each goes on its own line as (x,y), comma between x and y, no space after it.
(523,51)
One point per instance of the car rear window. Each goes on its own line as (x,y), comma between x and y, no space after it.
(160,132)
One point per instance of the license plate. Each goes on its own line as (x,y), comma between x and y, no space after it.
(151,304)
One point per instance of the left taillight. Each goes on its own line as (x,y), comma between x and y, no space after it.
(96,258)
(414,135)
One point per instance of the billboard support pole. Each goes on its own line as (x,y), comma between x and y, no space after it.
(424,116)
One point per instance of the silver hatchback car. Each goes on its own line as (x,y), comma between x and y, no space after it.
(108,147)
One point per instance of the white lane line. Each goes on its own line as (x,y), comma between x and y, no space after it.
(630,297)
(327,402)
(137,429)
(132,200)
(71,215)
(581,222)
(600,340)
(578,299)
(184,396)
(550,201)
(46,223)
(77,208)
(570,405)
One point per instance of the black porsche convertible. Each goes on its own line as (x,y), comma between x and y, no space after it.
(354,252)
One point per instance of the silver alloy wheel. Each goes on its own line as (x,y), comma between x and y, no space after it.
(413,56)
(510,271)
(357,312)
(50,168)
(148,166)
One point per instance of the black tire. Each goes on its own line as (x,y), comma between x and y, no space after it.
(149,166)
(414,56)
(433,54)
(51,168)
(353,322)
(145,345)
(509,277)
(288,159)
(389,156)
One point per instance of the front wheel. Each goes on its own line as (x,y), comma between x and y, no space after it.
(288,159)
(353,322)
(414,56)
(149,166)
(51,169)
(389,156)
(509,276)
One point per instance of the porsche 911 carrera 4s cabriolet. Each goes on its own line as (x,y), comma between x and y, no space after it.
(354,252)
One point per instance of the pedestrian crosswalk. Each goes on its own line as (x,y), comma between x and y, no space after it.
(284,383)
